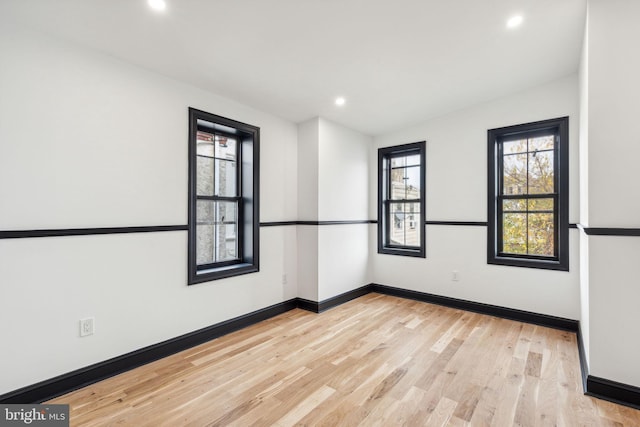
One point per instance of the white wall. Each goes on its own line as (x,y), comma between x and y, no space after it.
(612,152)
(89,141)
(343,182)
(307,238)
(614,295)
(456,190)
(343,263)
(333,186)
(343,193)
(614,128)
(308,136)
(307,235)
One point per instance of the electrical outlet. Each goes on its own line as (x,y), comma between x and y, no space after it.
(87,326)
(455,275)
(284,279)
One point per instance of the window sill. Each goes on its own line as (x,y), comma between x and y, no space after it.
(417,253)
(222,272)
(529,263)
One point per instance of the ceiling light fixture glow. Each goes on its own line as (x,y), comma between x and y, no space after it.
(514,21)
(340,101)
(158,5)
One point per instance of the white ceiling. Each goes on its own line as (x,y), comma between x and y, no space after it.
(396,62)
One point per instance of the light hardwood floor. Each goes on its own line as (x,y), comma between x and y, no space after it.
(375,361)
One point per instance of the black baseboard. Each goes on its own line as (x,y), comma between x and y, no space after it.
(613,391)
(342,298)
(319,307)
(477,307)
(74,380)
(308,305)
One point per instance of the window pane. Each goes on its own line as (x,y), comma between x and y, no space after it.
(217,230)
(401,161)
(412,224)
(404,224)
(397,162)
(541,172)
(541,234)
(540,205)
(204,176)
(405,183)
(517,146)
(541,143)
(396,224)
(216,176)
(205,232)
(413,160)
(398,189)
(225,147)
(514,205)
(225,178)
(204,244)
(204,144)
(413,182)
(514,174)
(226,214)
(514,233)
(204,164)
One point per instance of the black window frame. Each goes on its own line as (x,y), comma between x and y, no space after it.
(385,155)
(247,197)
(559,127)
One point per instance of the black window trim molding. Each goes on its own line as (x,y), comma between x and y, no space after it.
(384,154)
(248,137)
(561,159)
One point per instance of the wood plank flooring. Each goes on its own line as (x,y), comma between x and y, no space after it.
(375,361)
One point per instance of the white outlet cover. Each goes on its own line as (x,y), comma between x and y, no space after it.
(86,326)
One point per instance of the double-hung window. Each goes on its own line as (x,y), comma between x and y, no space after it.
(401,200)
(223,197)
(528,195)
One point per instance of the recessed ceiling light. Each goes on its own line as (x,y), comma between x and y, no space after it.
(340,101)
(514,21)
(158,5)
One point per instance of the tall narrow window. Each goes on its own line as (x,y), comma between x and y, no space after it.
(528,195)
(401,201)
(223,197)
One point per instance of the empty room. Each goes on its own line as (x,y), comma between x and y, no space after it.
(319,212)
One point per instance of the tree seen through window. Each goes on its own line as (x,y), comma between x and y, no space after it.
(528,193)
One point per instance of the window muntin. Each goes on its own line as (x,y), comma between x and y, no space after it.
(401,195)
(223,194)
(528,195)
